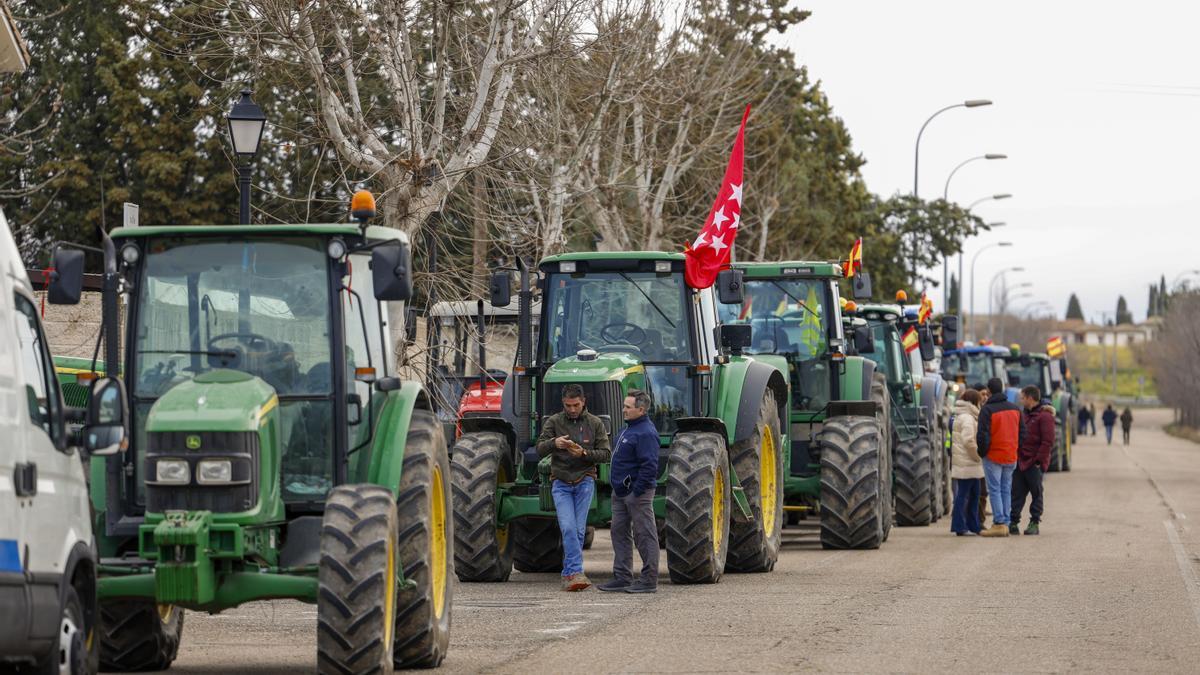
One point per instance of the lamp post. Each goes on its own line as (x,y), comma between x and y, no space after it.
(977,202)
(969,103)
(974,259)
(992,292)
(246,121)
(946,197)
(990,155)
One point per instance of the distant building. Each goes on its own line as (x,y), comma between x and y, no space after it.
(1079,332)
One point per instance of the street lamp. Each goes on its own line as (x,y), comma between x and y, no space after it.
(973,261)
(996,197)
(992,292)
(946,197)
(246,122)
(970,103)
(990,155)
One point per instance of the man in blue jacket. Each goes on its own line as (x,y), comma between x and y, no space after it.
(634,474)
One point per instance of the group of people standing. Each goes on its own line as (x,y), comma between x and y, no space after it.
(1000,451)
(1087,417)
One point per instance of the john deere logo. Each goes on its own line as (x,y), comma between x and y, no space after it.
(193,442)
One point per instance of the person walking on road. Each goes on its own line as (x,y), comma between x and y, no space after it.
(1033,460)
(576,442)
(1126,423)
(1001,428)
(634,476)
(1110,419)
(1084,416)
(966,467)
(1092,417)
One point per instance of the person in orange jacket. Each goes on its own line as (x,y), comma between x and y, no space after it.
(1001,430)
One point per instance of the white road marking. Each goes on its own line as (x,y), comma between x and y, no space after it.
(1186,570)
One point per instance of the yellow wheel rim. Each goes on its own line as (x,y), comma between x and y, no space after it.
(501,530)
(389,592)
(164,612)
(438,545)
(768,484)
(718,510)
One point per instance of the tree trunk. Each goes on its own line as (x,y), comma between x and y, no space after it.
(479,235)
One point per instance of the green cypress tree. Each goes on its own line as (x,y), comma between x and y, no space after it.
(1123,315)
(1074,310)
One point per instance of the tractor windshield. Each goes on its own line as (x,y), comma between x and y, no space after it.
(789,317)
(257,305)
(889,354)
(1022,373)
(640,313)
(975,369)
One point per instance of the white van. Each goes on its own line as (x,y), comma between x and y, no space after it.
(47,553)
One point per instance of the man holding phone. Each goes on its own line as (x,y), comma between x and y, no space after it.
(576,442)
(634,477)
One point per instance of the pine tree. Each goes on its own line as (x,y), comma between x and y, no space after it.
(1074,311)
(1152,305)
(1123,315)
(952,295)
(1164,298)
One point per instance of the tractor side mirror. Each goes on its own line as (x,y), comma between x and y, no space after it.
(864,340)
(862,286)
(925,343)
(353,409)
(500,289)
(734,337)
(731,287)
(950,331)
(410,325)
(104,430)
(391,271)
(66,281)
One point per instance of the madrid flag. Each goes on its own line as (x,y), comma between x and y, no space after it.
(710,252)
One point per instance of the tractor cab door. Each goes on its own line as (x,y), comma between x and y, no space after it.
(367,353)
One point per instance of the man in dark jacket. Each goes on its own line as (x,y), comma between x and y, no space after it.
(1109,418)
(1001,428)
(576,441)
(1033,460)
(634,476)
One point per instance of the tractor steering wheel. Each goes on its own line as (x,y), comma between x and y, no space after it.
(623,333)
(246,342)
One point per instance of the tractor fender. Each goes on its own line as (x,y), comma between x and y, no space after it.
(387,448)
(740,388)
(707,424)
(854,380)
(498,425)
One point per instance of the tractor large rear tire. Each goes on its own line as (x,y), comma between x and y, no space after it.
(138,635)
(483,551)
(424,509)
(356,600)
(854,501)
(538,545)
(914,498)
(883,415)
(937,456)
(754,546)
(699,499)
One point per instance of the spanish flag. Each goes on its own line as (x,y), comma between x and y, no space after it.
(910,340)
(1055,347)
(854,264)
(926,309)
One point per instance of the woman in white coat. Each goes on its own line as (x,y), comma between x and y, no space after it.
(966,467)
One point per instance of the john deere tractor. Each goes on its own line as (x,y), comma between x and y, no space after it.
(273,453)
(612,322)
(1025,368)
(973,365)
(839,465)
(920,466)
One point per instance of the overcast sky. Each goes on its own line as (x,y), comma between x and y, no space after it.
(1097,105)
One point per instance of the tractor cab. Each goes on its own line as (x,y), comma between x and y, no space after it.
(1025,368)
(1030,368)
(895,339)
(973,365)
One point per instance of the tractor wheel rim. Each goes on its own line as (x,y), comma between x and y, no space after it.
(164,612)
(769,481)
(389,594)
(718,510)
(438,545)
(501,530)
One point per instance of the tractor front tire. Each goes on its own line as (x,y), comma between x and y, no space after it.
(754,545)
(483,550)
(138,635)
(854,500)
(883,414)
(699,499)
(937,454)
(424,510)
(538,545)
(914,498)
(356,599)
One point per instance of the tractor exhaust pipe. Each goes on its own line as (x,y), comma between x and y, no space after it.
(482,349)
(524,354)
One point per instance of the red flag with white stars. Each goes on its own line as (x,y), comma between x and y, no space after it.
(710,252)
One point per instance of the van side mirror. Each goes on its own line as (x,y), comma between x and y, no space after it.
(950,331)
(66,281)
(731,287)
(864,340)
(500,289)
(104,431)
(862,286)
(391,272)
(925,343)
(410,325)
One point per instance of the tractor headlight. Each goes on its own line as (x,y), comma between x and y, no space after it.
(172,472)
(214,472)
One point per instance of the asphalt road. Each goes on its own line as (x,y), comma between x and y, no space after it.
(1112,584)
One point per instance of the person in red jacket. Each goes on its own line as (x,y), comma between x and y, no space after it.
(1033,460)
(998,436)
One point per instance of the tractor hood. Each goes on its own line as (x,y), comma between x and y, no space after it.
(219,400)
(603,367)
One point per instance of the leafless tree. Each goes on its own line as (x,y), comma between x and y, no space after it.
(1172,357)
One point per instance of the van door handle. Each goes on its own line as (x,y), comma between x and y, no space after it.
(25,479)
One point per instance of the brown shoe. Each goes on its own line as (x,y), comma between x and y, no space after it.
(575,582)
(995,531)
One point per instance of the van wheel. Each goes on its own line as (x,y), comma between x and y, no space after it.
(139,635)
(70,653)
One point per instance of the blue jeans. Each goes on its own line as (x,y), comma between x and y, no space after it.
(965,517)
(1108,432)
(999,482)
(571,503)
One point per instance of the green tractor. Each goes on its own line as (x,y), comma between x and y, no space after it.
(920,464)
(273,452)
(611,322)
(838,466)
(1025,368)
